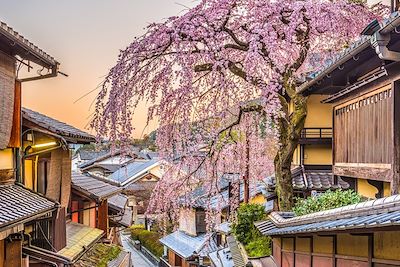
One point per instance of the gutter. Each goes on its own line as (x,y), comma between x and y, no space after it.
(27,219)
(377,40)
(365,44)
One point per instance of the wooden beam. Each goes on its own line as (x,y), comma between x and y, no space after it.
(59,229)
(102,218)
(13,253)
(370,249)
(379,174)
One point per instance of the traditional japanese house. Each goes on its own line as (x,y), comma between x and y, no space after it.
(120,214)
(312,160)
(364,234)
(138,179)
(46,169)
(106,163)
(46,162)
(190,245)
(89,203)
(17,211)
(361,85)
(82,156)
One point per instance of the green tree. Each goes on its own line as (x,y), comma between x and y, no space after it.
(244,228)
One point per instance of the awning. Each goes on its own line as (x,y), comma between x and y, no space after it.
(79,239)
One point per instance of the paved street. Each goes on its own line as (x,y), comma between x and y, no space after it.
(138,259)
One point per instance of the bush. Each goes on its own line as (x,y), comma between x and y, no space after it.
(325,201)
(110,253)
(148,239)
(244,228)
(259,247)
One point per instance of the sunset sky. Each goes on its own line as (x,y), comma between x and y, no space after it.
(85,37)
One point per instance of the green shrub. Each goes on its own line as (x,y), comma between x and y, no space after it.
(326,201)
(148,239)
(259,247)
(244,228)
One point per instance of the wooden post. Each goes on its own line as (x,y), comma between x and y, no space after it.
(394,185)
(370,249)
(103,216)
(59,229)
(246,192)
(14,252)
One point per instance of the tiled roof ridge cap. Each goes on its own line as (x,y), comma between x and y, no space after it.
(80,133)
(14,34)
(376,206)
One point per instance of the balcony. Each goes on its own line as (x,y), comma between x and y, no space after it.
(316,136)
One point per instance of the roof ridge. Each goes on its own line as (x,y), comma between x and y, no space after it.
(376,206)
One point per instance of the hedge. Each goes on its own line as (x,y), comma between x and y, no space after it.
(148,239)
(326,201)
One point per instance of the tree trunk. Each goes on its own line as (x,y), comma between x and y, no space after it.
(290,128)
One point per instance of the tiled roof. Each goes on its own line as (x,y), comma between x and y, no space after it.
(20,41)
(132,171)
(237,255)
(118,202)
(186,245)
(124,219)
(68,132)
(304,179)
(222,258)
(89,154)
(18,204)
(109,154)
(221,200)
(79,239)
(362,43)
(92,187)
(224,227)
(122,260)
(381,212)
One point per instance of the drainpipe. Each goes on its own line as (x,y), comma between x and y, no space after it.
(380,41)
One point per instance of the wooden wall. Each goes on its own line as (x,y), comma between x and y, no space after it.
(340,250)
(363,135)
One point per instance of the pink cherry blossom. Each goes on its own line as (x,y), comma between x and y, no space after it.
(198,71)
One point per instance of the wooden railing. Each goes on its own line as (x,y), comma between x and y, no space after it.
(316,133)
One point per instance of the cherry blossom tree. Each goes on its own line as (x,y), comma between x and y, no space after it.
(221,80)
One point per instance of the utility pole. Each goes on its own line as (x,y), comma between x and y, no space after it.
(394,5)
(247,172)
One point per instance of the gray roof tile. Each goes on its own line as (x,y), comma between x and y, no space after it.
(118,202)
(93,187)
(186,245)
(132,171)
(16,204)
(374,213)
(19,40)
(68,132)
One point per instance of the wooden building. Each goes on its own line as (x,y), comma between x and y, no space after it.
(16,201)
(364,234)
(89,204)
(362,84)
(189,246)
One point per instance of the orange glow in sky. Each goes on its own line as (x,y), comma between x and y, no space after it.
(85,37)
